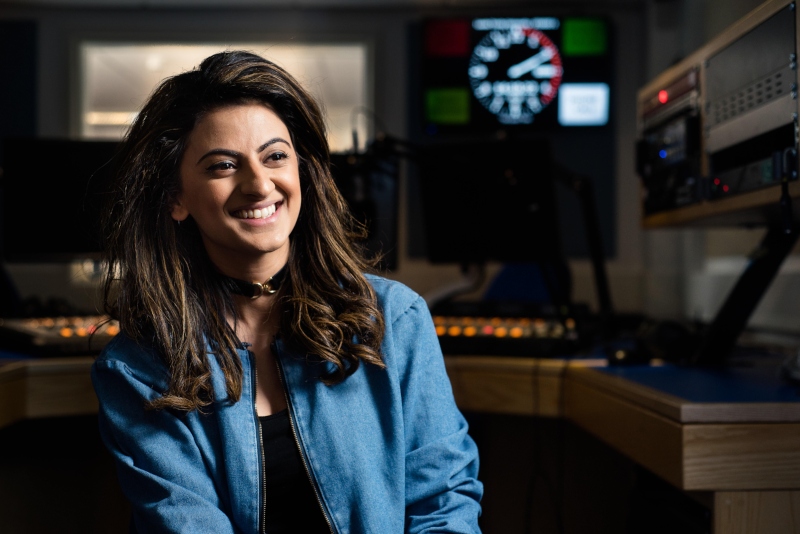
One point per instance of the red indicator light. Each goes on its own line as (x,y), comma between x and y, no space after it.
(716,181)
(447,38)
(663,96)
(488,330)
(725,188)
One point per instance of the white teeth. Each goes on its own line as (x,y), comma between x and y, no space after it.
(256,214)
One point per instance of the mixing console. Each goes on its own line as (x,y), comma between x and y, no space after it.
(512,336)
(458,334)
(58,335)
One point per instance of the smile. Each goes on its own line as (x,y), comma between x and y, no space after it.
(256,214)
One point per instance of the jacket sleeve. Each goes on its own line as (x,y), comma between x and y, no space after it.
(442,490)
(159,464)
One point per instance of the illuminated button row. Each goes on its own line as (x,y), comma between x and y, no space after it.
(67,327)
(504,327)
(108,330)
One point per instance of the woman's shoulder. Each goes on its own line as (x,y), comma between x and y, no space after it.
(395,298)
(136,358)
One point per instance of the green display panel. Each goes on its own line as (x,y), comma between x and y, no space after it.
(447,105)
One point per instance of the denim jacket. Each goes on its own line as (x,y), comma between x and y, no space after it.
(386,450)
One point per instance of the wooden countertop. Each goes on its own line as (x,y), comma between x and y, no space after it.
(511,385)
(747,453)
(34,388)
(727,445)
(694,445)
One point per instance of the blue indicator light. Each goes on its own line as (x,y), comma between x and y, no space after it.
(663,154)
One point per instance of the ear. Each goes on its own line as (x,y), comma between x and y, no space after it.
(178,211)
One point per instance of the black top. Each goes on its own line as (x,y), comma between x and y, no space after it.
(290,504)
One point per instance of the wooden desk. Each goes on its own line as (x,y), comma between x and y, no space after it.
(733,434)
(511,385)
(61,386)
(742,460)
(45,388)
(53,387)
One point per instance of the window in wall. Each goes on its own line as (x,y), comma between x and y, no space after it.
(116,78)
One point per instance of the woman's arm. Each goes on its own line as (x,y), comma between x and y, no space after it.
(161,468)
(442,490)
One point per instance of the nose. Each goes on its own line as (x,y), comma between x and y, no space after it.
(257,182)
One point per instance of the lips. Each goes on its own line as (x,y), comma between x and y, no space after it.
(262,213)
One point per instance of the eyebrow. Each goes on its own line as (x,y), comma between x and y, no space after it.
(234,154)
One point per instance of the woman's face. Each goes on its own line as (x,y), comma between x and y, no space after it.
(240,182)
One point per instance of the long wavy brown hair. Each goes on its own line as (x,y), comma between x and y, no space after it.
(160,283)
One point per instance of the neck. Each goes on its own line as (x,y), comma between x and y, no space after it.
(256,310)
(257,319)
(251,268)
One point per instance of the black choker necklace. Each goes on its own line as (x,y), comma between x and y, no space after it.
(254,290)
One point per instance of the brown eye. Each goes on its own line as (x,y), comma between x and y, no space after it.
(222,166)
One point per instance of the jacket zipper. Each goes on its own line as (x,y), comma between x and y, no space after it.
(297,443)
(261,504)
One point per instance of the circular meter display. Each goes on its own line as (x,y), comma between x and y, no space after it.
(515,73)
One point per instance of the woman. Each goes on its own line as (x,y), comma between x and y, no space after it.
(262,382)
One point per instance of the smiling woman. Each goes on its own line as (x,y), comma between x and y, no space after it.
(262,382)
(242,191)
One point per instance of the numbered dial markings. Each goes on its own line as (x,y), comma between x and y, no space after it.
(515,73)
